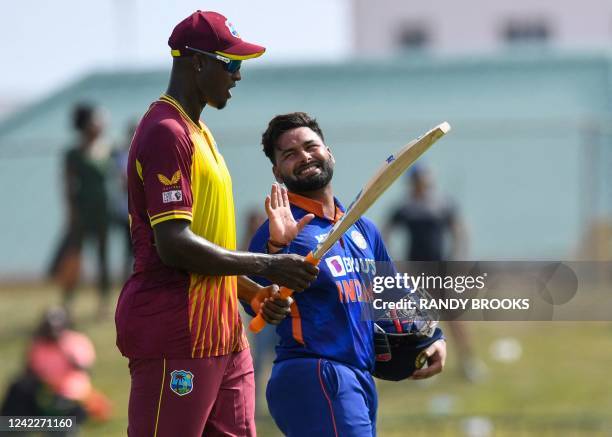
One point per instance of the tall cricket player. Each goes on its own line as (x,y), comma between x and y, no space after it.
(177,318)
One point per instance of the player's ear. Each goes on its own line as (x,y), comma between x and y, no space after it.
(199,62)
(195,62)
(331,154)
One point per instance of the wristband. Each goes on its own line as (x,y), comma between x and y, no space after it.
(276,244)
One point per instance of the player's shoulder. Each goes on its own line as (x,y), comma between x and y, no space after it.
(370,232)
(160,129)
(163,119)
(368,226)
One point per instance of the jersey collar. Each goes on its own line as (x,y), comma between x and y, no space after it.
(315,207)
(176,105)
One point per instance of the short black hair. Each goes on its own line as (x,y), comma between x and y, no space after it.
(283,123)
(82,115)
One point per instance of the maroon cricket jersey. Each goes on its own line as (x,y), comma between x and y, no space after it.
(175,172)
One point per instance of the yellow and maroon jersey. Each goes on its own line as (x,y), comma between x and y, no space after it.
(175,172)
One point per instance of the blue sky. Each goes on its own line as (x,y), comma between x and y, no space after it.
(49,43)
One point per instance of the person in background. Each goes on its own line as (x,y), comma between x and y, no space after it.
(86,172)
(436,232)
(56,379)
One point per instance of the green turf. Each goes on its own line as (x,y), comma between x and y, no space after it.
(560,386)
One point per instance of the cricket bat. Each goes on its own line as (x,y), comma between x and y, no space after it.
(393,168)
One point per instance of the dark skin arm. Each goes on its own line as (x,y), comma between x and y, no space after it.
(180,248)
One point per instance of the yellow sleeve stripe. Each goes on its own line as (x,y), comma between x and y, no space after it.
(139,169)
(176,211)
(173,215)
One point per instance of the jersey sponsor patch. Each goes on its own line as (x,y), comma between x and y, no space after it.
(172,196)
(335,266)
(176,177)
(181,382)
(359,240)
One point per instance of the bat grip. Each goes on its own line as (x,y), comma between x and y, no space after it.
(258,323)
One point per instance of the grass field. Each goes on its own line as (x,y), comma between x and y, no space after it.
(561,385)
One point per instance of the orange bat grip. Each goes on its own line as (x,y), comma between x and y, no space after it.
(258,323)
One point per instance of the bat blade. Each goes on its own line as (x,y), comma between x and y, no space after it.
(393,167)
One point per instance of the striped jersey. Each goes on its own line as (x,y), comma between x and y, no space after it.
(175,172)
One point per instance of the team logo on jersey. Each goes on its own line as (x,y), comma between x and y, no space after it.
(176,177)
(232,29)
(181,382)
(172,196)
(359,240)
(335,266)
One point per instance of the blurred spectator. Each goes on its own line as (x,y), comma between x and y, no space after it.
(436,233)
(86,169)
(119,196)
(55,381)
(262,344)
(431,220)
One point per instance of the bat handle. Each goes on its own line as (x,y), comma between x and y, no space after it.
(258,323)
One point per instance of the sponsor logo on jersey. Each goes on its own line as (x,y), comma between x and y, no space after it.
(341,266)
(172,196)
(335,266)
(176,177)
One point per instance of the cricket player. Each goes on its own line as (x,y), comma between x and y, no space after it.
(177,317)
(321,383)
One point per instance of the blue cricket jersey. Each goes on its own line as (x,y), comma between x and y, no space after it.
(327,318)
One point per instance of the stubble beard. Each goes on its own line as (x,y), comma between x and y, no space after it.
(312,183)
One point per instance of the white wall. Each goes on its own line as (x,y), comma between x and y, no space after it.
(460,26)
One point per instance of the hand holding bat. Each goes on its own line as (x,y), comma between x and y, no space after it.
(271,305)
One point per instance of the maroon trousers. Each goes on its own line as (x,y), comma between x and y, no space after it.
(192,397)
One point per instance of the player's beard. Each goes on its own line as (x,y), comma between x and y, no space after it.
(296,184)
